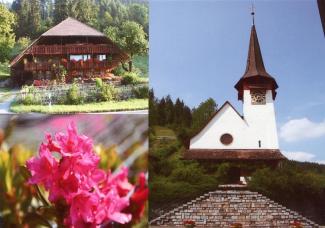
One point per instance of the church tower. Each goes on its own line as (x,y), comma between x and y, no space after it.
(257,90)
(250,137)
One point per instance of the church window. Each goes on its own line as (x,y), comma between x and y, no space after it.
(258,96)
(226,139)
(259,143)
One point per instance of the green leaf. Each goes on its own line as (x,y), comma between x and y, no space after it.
(47,212)
(24,172)
(35,219)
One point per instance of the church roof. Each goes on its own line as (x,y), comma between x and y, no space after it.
(255,65)
(234,154)
(72,27)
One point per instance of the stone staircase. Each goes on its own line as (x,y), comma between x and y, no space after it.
(222,208)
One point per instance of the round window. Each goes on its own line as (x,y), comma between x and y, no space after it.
(226,139)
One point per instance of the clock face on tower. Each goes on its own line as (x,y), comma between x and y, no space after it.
(258,96)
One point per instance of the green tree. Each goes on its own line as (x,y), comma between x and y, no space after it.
(34,18)
(46,9)
(203,113)
(61,10)
(131,38)
(7,36)
(28,18)
(84,11)
(139,13)
(19,46)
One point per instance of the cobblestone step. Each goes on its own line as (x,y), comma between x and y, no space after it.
(221,208)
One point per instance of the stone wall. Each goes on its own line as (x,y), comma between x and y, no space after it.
(53,94)
(222,208)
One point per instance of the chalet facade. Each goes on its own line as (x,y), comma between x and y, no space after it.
(83,52)
(251,137)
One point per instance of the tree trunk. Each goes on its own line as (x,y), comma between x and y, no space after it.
(130,65)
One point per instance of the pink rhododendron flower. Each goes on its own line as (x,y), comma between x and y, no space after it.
(67,168)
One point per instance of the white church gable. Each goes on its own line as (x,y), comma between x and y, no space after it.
(226,121)
(229,130)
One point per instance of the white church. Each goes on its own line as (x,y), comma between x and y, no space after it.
(251,137)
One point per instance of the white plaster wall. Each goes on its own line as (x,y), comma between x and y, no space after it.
(258,124)
(261,120)
(226,121)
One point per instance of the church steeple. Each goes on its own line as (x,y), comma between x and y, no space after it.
(255,74)
(255,65)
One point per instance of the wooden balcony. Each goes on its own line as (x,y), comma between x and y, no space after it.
(70,49)
(87,65)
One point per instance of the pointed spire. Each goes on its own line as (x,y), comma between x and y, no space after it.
(255,74)
(255,65)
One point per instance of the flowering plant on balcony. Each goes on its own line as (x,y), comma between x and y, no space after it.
(296,224)
(189,223)
(64,62)
(37,82)
(81,194)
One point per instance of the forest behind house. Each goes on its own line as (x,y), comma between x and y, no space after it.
(125,22)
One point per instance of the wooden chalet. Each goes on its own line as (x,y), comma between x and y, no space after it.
(83,51)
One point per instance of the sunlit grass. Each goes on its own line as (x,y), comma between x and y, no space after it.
(109,106)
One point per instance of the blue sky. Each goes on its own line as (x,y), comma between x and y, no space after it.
(198,49)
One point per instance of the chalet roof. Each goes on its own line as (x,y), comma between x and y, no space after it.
(234,154)
(72,27)
(255,65)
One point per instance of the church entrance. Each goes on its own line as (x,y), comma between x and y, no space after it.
(234,175)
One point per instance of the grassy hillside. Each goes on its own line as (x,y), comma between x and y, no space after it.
(4,70)
(142,63)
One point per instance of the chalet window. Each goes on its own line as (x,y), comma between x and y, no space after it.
(226,139)
(80,57)
(101,57)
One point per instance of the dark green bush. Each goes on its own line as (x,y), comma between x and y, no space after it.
(31,99)
(141,92)
(131,78)
(73,95)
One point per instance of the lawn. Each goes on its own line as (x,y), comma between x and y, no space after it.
(164,132)
(109,106)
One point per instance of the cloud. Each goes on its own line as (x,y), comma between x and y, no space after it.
(298,129)
(299,156)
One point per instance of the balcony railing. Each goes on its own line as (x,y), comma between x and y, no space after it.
(70,49)
(45,66)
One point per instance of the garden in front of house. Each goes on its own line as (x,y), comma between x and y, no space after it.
(129,93)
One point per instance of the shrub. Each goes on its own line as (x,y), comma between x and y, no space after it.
(118,70)
(107,92)
(99,82)
(73,95)
(141,92)
(130,78)
(31,98)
